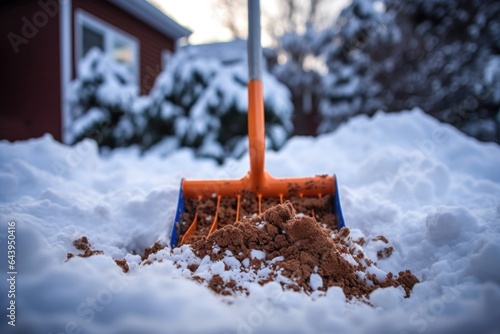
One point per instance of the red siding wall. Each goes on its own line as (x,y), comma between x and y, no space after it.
(151,42)
(30,100)
(29,79)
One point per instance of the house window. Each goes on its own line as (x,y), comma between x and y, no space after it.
(115,43)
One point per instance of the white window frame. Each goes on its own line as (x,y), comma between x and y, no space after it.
(108,31)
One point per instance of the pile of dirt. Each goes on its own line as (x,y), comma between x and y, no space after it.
(319,208)
(288,247)
(313,257)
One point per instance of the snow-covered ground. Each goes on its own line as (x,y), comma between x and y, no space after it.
(434,193)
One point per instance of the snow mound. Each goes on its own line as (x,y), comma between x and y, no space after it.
(431,191)
(448,223)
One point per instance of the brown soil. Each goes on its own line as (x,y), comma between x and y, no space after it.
(249,205)
(205,209)
(385,253)
(151,250)
(123,264)
(217,284)
(381,238)
(192,267)
(361,241)
(319,208)
(83,244)
(227,211)
(306,247)
(407,280)
(268,203)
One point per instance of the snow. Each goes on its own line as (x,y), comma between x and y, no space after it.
(94,115)
(315,281)
(432,191)
(447,224)
(256,254)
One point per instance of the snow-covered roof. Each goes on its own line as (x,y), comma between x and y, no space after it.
(153,17)
(226,52)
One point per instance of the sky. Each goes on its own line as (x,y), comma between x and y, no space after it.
(200,16)
(202,21)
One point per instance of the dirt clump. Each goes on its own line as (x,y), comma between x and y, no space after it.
(83,244)
(360,241)
(319,208)
(123,264)
(218,285)
(155,248)
(407,280)
(385,253)
(381,238)
(304,248)
(193,267)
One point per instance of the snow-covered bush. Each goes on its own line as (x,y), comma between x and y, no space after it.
(163,112)
(350,86)
(330,71)
(102,100)
(217,123)
(301,73)
(438,55)
(205,103)
(442,63)
(347,88)
(198,101)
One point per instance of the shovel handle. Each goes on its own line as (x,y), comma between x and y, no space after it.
(253,43)
(256,122)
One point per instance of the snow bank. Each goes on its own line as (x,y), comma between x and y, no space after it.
(433,192)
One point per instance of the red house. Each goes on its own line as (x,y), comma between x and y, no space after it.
(43,40)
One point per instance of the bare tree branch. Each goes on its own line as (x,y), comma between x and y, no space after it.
(232,14)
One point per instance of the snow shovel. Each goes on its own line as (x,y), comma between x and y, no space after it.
(257,181)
